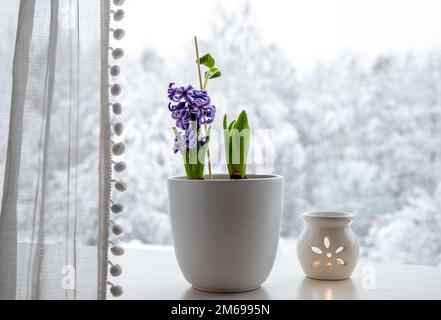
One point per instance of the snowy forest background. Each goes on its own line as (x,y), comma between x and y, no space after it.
(364,138)
(349,135)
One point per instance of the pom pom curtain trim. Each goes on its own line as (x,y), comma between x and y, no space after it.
(115,148)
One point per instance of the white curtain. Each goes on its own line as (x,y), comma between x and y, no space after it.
(54,149)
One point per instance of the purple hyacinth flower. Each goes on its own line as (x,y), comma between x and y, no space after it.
(187,141)
(202,138)
(198,111)
(190,109)
(179,106)
(208,115)
(182,117)
(179,144)
(176,94)
(191,138)
(171,91)
(184,93)
(200,99)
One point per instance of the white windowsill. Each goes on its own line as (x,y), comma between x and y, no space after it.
(153,274)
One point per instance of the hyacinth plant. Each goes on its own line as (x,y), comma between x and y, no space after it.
(237,138)
(194,113)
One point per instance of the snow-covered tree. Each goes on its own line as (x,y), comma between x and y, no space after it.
(411,234)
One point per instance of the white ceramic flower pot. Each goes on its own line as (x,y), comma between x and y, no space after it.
(226,232)
(328,249)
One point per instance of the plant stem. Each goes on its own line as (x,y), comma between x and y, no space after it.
(205,84)
(198,62)
(202,88)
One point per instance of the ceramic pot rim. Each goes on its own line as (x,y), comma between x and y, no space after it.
(328,215)
(217,178)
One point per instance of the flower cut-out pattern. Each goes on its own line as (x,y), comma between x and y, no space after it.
(327,257)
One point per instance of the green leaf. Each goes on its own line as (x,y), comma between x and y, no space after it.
(207,60)
(227,141)
(242,121)
(194,171)
(215,74)
(239,134)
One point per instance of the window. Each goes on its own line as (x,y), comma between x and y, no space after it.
(351,90)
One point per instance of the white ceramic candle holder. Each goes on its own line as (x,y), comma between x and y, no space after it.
(328,249)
